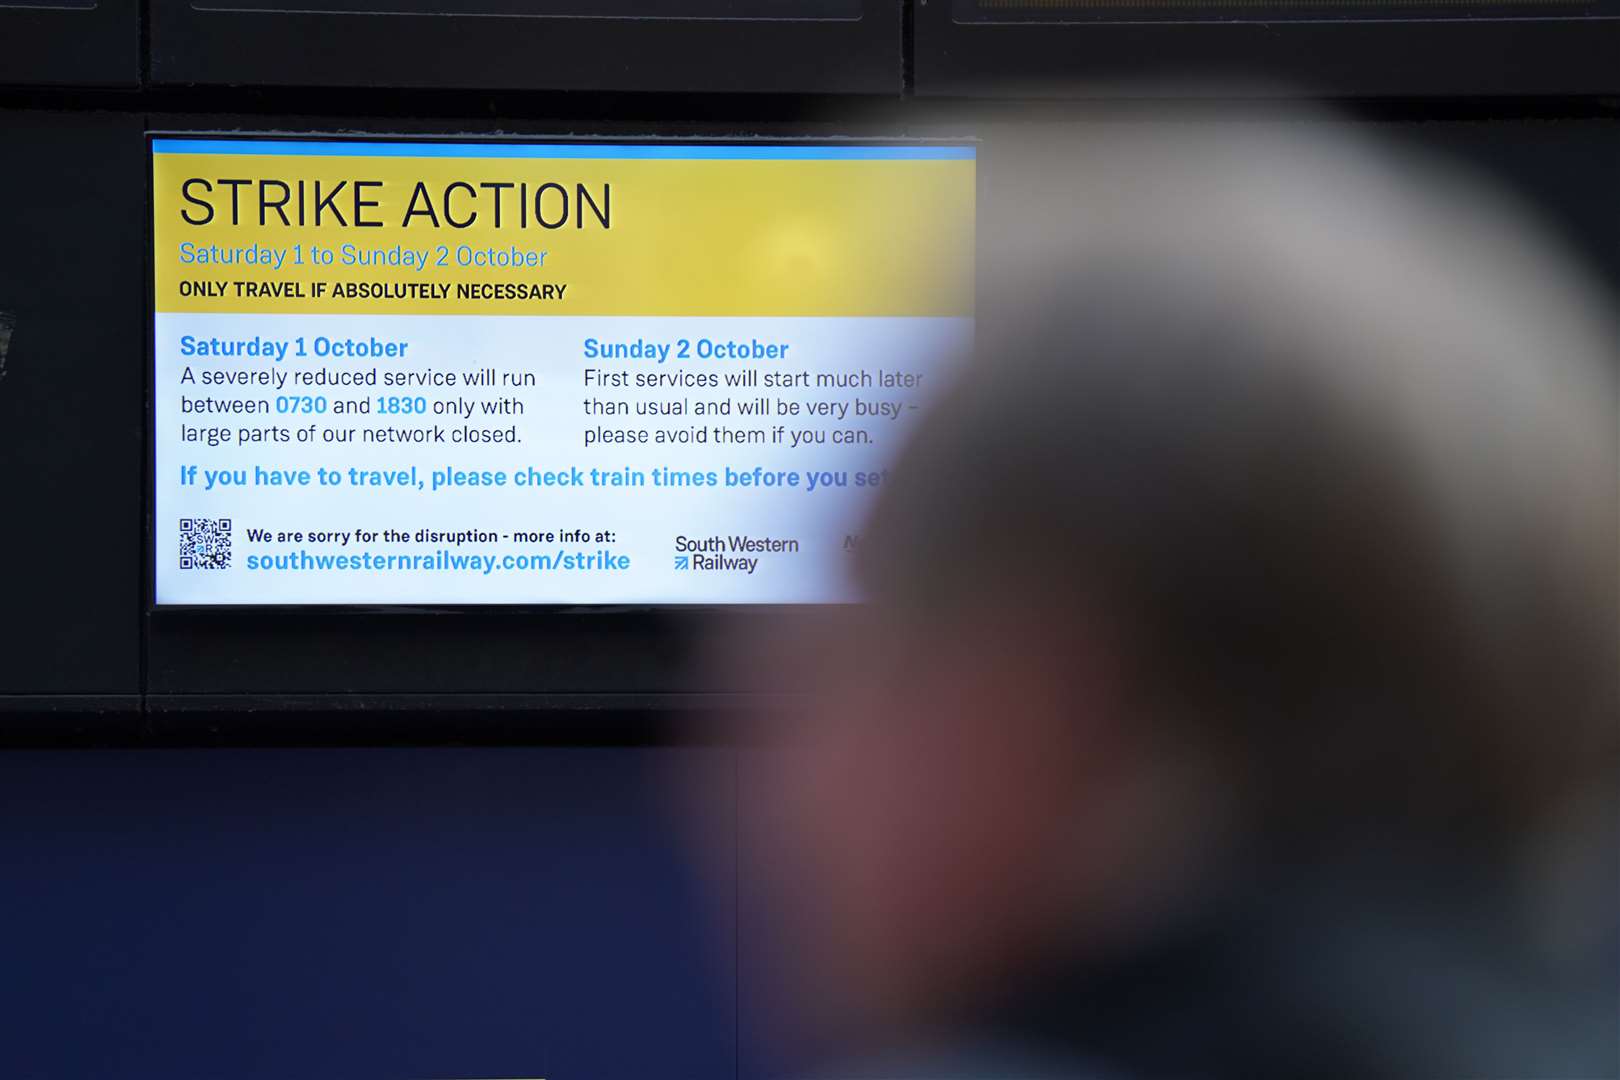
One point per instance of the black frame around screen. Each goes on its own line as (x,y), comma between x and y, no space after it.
(489,665)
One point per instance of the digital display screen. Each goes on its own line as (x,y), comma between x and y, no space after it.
(512,373)
(578,9)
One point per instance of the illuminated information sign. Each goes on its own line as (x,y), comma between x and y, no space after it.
(500,373)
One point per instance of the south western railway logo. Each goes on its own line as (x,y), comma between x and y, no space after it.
(734,554)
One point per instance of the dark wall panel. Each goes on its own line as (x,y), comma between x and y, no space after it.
(487,45)
(72,327)
(77,42)
(1249,54)
(1565,171)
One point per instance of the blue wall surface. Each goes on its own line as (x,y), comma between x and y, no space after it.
(359,914)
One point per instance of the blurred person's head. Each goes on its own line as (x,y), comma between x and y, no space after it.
(1269,537)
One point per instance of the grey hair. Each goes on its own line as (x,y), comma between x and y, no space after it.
(1327,436)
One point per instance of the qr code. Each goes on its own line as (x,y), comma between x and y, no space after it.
(205,543)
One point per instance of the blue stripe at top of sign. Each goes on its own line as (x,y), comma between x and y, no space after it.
(586,151)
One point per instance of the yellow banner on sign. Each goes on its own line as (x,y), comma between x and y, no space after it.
(326,233)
